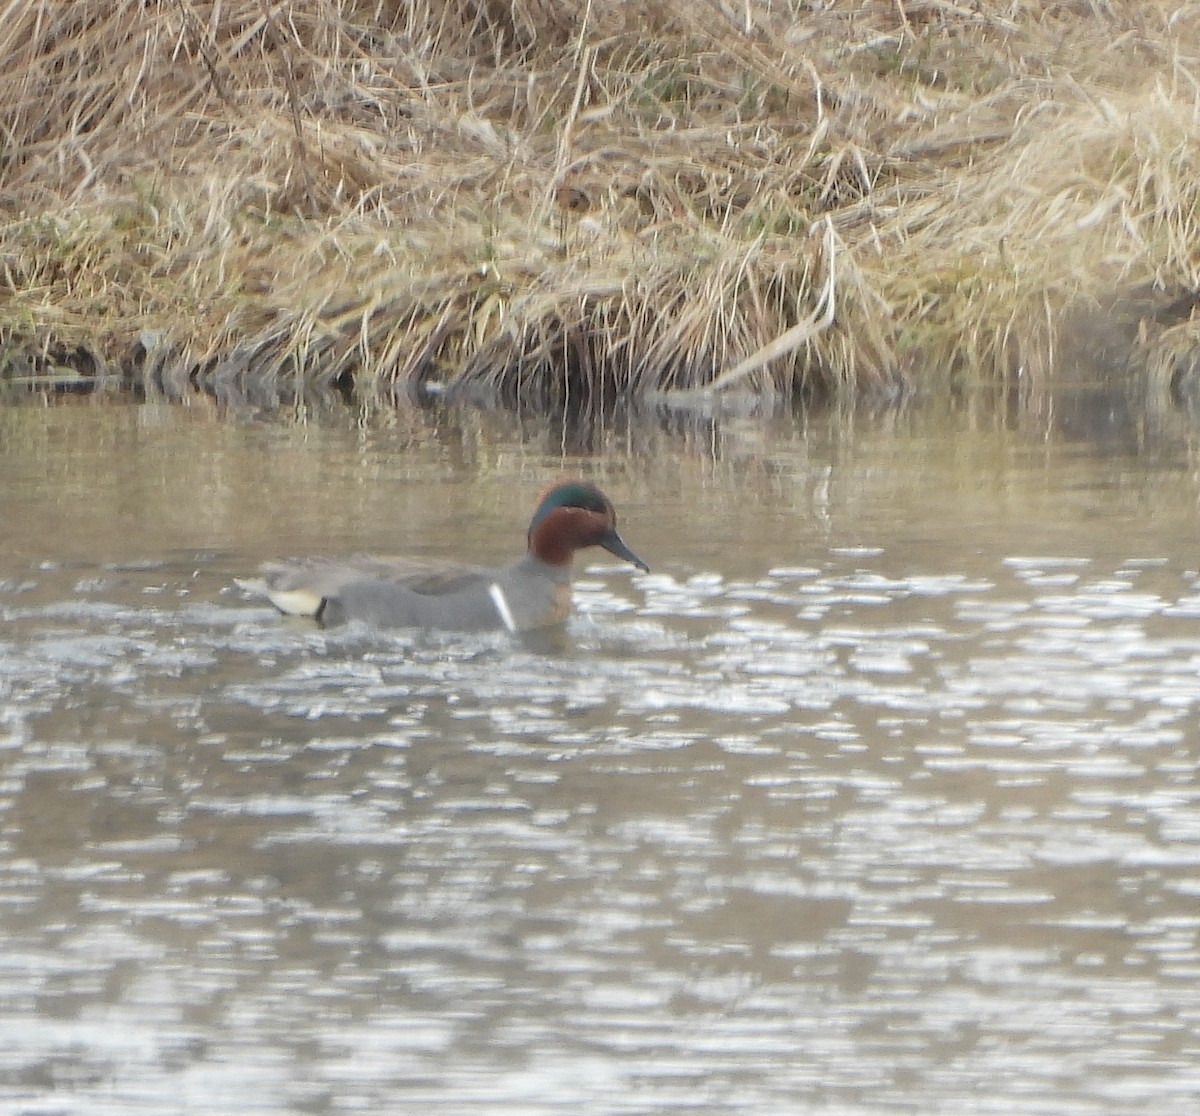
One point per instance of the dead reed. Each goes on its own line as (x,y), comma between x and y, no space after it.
(576,199)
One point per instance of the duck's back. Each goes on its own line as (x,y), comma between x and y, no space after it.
(401,593)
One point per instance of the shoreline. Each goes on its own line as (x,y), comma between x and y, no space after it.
(837,201)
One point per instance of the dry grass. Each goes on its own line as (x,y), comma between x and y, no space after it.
(568,199)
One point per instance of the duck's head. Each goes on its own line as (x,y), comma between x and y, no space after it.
(572,515)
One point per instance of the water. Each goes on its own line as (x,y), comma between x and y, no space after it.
(878,795)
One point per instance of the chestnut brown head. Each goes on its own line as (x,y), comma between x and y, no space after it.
(574,515)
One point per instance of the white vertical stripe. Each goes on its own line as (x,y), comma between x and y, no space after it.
(501,603)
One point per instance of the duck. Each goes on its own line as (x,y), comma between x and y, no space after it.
(532,593)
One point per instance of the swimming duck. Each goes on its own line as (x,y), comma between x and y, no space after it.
(533,592)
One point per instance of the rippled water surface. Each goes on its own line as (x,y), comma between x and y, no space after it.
(877,795)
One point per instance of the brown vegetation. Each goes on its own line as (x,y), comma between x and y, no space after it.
(577,197)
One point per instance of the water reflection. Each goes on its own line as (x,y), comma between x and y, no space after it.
(878,795)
